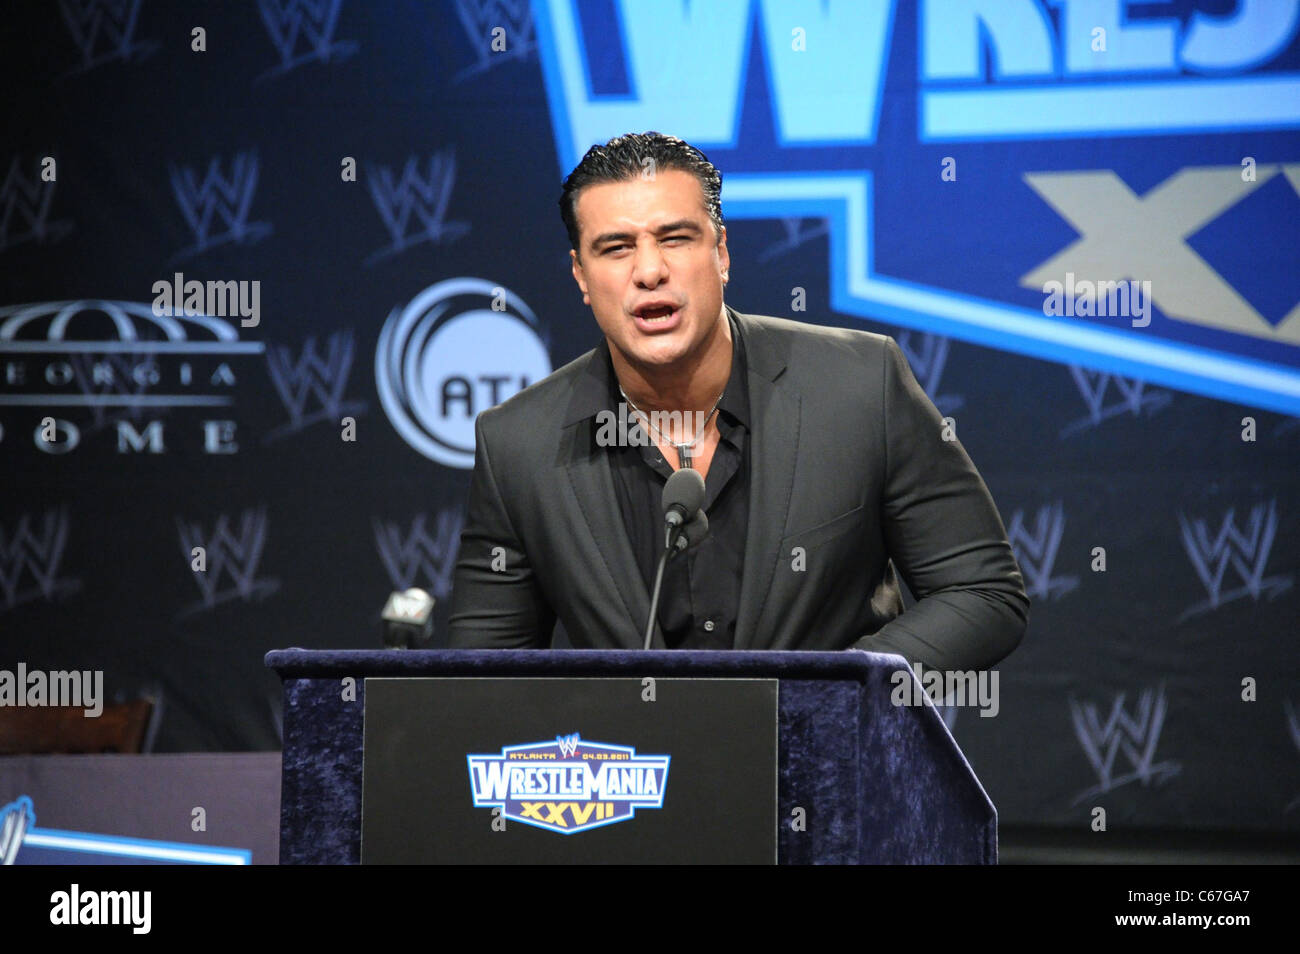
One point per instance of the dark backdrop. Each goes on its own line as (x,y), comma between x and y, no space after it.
(229,164)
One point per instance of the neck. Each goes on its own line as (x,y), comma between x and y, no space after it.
(692,384)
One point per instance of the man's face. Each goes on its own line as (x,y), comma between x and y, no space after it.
(650,267)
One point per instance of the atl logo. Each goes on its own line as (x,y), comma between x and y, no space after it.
(460,347)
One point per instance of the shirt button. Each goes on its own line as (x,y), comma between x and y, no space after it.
(708,625)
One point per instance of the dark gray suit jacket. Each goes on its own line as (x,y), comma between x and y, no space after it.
(850,477)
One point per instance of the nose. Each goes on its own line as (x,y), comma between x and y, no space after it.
(649,268)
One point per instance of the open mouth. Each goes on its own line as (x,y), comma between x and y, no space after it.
(657,314)
(657,317)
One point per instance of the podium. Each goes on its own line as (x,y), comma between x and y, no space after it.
(858,779)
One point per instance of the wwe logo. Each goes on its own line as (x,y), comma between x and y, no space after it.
(27,201)
(568,744)
(16,819)
(408,195)
(1133,398)
(1247,552)
(113,21)
(498,30)
(313,21)
(1136,736)
(39,552)
(235,553)
(218,197)
(1036,552)
(927,363)
(794,237)
(417,555)
(312,375)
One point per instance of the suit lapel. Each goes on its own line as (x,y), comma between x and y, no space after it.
(623,600)
(774,448)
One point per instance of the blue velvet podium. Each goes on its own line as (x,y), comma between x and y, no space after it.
(880,784)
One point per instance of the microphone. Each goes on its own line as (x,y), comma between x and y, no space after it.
(408,619)
(683,494)
(695,530)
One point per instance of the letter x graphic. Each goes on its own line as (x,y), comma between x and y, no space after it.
(1126,236)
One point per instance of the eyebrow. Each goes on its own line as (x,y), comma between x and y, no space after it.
(681,225)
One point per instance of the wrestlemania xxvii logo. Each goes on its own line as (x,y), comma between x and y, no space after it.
(570,784)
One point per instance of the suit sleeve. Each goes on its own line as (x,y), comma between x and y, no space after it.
(496,602)
(945,538)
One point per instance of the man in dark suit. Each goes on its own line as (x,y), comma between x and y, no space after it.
(825,464)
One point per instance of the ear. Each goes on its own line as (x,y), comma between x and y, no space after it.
(578,276)
(724,257)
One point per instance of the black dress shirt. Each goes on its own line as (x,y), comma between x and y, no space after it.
(700,598)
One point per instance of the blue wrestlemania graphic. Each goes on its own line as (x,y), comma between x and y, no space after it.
(1095,182)
(569,784)
(22,843)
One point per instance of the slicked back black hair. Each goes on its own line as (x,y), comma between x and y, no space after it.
(624,158)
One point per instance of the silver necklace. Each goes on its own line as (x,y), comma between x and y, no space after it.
(684,451)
